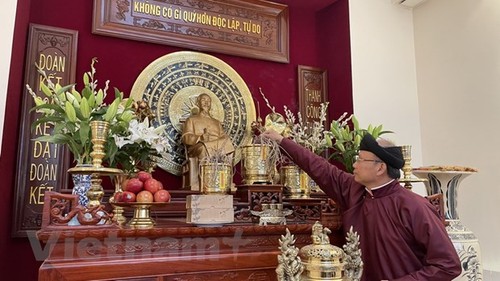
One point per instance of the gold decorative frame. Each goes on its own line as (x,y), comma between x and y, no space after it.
(170,85)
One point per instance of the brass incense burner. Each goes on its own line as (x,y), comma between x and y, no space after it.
(216,178)
(290,178)
(297,182)
(319,260)
(256,167)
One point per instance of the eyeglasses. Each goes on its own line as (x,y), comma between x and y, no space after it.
(359,159)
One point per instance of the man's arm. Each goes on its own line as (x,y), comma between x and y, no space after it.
(337,184)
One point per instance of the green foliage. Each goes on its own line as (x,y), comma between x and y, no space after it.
(345,141)
(71,111)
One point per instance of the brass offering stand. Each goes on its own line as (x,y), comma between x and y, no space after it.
(99,133)
(408,178)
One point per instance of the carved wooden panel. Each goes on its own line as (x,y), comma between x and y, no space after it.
(248,28)
(41,166)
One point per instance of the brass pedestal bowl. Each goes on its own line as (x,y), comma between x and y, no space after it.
(142,213)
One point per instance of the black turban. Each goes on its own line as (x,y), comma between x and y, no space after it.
(392,155)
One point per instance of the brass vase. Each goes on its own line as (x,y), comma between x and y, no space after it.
(256,167)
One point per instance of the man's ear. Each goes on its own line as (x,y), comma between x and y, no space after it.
(382,169)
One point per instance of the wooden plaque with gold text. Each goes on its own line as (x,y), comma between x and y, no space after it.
(313,90)
(41,166)
(248,28)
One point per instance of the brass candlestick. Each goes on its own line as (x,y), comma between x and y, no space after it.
(408,178)
(118,210)
(99,134)
(406,149)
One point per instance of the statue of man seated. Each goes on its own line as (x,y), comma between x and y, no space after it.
(203,135)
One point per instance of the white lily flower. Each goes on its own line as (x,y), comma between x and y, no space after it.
(121,141)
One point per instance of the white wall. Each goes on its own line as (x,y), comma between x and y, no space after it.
(457,45)
(383,72)
(432,75)
(7,18)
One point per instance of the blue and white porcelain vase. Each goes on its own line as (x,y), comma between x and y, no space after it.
(81,184)
(465,242)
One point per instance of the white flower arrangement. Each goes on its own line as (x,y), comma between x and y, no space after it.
(139,144)
(143,132)
(312,136)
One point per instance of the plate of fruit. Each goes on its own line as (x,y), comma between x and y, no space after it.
(142,189)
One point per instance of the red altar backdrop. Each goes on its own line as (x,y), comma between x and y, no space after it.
(319,37)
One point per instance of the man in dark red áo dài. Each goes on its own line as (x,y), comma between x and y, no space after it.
(401,234)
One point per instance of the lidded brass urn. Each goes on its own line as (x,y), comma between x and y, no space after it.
(322,260)
(319,260)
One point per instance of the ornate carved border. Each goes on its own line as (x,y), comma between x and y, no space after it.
(41,166)
(248,28)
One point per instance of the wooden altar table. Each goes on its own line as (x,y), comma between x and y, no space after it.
(171,251)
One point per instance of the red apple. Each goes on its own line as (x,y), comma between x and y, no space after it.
(152,185)
(134,185)
(144,197)
(161,184)
(128,197)
(124,183)
(143,176)
(162,195)
(117,197)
